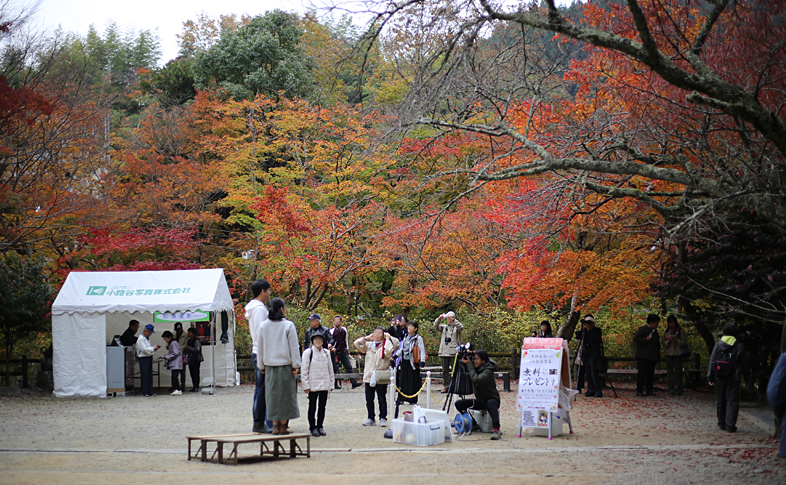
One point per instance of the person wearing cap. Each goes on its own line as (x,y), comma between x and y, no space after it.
(591,338)
(315,325)
(180,335)
(316,379)
(450,328)
(144,352)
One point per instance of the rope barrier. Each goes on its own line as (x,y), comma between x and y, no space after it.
(414,395)
(437,400)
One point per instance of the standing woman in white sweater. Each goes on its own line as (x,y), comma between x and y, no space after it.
(279,360)
(317,381)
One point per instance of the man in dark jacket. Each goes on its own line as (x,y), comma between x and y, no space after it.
(128,339)
(725,374)
(481,372)
(647,354)
(314,326)
(591,338)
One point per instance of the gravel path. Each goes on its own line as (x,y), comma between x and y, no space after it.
(624,440)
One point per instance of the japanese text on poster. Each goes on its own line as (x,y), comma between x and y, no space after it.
(539,381)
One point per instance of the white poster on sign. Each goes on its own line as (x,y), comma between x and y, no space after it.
(539,381)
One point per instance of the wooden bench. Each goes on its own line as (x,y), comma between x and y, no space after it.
(263,439)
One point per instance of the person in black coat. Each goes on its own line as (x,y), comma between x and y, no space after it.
(128,339)
(591,338)
(314,327)
(647,342)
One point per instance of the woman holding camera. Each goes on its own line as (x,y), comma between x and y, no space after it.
(450,328)
(412,354)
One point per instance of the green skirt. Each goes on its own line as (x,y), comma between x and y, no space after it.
(281,393)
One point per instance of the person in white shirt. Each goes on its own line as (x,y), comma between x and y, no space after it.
(145,351)
(316,379)
(256,313)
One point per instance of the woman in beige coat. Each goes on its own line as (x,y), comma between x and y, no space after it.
(378,347)
(673,338)
(316,378)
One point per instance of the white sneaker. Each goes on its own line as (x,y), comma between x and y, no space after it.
(369,422)
(177,393)
(383,423)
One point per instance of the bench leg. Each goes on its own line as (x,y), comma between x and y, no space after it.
(220,452)
(204,450)
(308,447)
(506,382)
(189,450)
(292,448)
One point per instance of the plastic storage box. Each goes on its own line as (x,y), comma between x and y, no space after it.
(419,434)
(556,427)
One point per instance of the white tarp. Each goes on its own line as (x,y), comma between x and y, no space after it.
(92,307)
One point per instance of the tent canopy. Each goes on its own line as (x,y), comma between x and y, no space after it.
(90,303)
(144,291)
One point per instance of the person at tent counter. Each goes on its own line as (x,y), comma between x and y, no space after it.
(144,352)
(484,386)
(128,339)
(174,359)
(193,349)
(180,335)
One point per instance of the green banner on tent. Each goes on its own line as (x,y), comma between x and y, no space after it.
(195,316)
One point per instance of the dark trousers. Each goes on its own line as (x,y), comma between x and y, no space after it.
(727,401)
(491,406)
(259,409)
(343,359)
(146,371)
(178,375)
(316,405)
(674,370)
(593,375)
(193,369)
(381,391)
(646,376)
(783,436)
(447,366)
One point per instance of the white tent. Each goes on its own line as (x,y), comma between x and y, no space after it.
(92,307)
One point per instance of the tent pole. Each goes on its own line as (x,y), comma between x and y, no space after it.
(213,347)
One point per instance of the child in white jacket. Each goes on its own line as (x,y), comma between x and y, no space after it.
(317,380)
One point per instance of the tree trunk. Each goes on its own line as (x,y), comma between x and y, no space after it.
(319,297)
(704,332)
(568,328)
(783,338)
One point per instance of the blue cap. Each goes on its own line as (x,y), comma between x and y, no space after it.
(315,316)
(150,327)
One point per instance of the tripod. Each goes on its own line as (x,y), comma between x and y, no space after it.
(455,380)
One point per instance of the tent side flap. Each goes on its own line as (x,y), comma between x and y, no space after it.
(79,355)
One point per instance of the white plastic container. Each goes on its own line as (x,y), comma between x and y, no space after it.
(418,434)
(556,427)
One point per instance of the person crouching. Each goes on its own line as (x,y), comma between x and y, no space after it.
(316,378)
(481,372)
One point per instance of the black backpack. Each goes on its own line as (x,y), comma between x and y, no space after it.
(724,364)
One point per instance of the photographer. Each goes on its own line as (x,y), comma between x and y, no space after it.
(450,328)
(591,339)
(481,372)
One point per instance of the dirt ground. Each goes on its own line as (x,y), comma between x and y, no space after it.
(617,440)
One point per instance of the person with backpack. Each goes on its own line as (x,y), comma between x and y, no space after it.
(728,364)
(316,378)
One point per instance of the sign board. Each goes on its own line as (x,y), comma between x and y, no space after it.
(539,380)
(172,317)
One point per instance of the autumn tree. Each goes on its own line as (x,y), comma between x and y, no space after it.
(680,104)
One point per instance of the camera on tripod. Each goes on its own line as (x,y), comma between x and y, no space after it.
(466,350)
